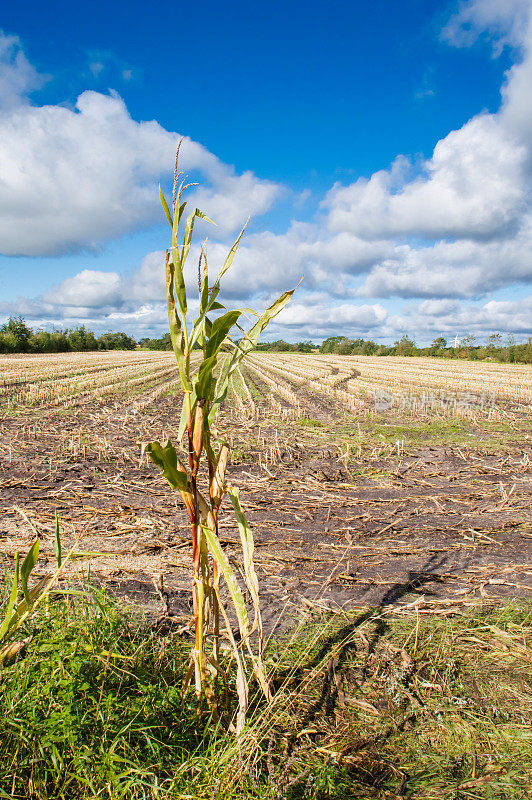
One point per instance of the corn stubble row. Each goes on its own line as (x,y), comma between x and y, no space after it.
(458,388)
(74,378)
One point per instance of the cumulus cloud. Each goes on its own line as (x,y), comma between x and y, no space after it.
(502,20)
(18,77)
(91,288)
(73,178)
(459,223)
(473,186)
(462,268)
(455,226)
(434,317)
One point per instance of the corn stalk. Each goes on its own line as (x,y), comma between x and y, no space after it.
(205,388)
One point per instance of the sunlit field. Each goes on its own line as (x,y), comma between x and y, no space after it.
(390,503)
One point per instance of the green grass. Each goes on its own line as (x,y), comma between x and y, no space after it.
(94,710)
(310,423)
(415,433)
(460,712)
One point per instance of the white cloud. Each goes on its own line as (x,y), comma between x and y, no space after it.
(74,178)
(454,269)
(96,68)
(473,186)
(430,318)
(503,20)
(90,288)
(457,225)
(331,317)
(17,76)
(462,224)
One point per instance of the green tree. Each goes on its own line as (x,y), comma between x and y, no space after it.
(331,344)
(438,344)
(20,336)
(405,346)
(82,339)
(494,341)
(121,341)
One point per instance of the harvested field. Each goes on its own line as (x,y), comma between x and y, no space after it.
(367,481)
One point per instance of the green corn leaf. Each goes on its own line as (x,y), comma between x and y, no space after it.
(204,380)
(24,606)
(179,280)
(215,290)
(182,422)
(175,223)
(176,333)
(246,538)
(5,626)
(27,566)
(204,294)
(183,419)
(230,578)
(265,318)
(220,329)
(165,207)
(57,541)
(166,459)
(180,212)
(203,216)
(249,341)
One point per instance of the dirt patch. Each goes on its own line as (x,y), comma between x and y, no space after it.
(436,524)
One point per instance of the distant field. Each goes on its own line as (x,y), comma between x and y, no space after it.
(461,388)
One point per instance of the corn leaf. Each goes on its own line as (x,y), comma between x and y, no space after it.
(242,687)
(229,260)
(248,548)
(57,541)
(189,229)
(179,280)
(219,331)
(174,322)
(204,295)
(27,566)
(5,626)
(204,380)
(264,320)
(25,606)
(192,399)
(10,652)
(230,578)
(165,207)
(166,459)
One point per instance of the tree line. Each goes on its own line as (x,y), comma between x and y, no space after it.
(17,337)
(493,349)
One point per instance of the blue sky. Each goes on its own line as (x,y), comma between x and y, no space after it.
(381,149)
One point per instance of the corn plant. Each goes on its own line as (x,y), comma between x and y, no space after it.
(17,611)
(205,388)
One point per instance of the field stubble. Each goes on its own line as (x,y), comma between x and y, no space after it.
(348,507)
(420,509)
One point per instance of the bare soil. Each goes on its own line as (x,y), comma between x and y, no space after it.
(440,518)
